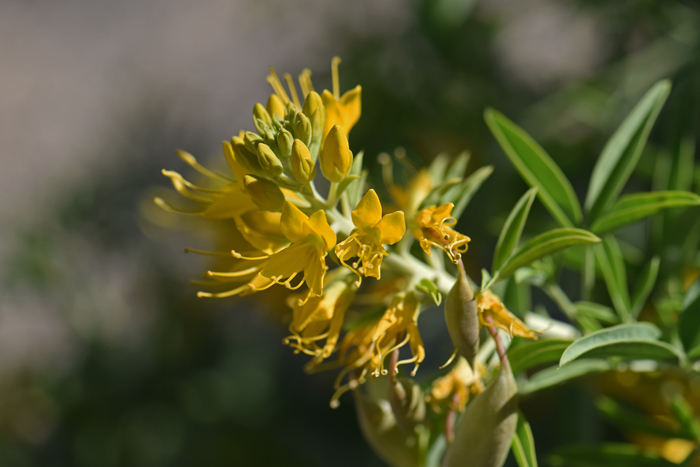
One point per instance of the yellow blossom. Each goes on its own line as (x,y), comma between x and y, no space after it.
(371,232)
(336,157)
(365,348)
(344,110)
(490,306)
(455,388)
(318,319)
(434,228)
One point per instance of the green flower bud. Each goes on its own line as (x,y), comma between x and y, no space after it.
(302,128)
(484,432)
(336,157)
(259,113)
(264,193)
(408,403)
(315,111)
(303,166)
(462,318)
(284,142)
(275,106)
(245,156)
(251,141)
(269,161)
(290,111)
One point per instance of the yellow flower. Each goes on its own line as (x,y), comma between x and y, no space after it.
(371,233)
(365,348)
(318,319)
(344,110)
(311,238)
(490,306)
(434,229)
(455,388)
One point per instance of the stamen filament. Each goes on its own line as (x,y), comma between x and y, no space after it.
(305,82)
(292,90)
(336,81)
(276,84)
(189,159)
(170,208)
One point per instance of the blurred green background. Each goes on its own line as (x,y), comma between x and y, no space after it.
(107,358)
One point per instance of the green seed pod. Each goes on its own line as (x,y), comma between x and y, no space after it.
(284,142)
(264,193)
(378,426)
(484,432)
(302,128)
(303,166)
(269,161)
(259,113)
(462,318)
(408,403)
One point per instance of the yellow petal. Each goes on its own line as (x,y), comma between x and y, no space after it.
(235,166)
(392,226)
(318,224)
(368,211)
(351,107)
(314,272)
(231,204)
(333,114)
(347,249)
(292,259)
(262,230)
(292,222)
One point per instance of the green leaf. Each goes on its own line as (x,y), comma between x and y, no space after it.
(512,229)
(524,444)
(622,151)
(686,416)
(606,455)
(537,168)
(458,166)
(345,183)
(644,286)
(627,420)
(682,165)
(632,208)
(689,318)
(526,356)
(694,354)
(611,262)
(436,193)
(356,167)
(437,168)
(630,341)
(597,311)
(429,287)
(354,190)
(460,195)
(552,376)
(543,245)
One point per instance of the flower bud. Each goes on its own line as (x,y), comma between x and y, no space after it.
(264,193)
(275,106)
(284,142)
(247,158)
(336,157)
(269,161)
(251,141)
(290,111)
(484,432)
(302,128)
(259,113)
(303,166)
(462,318)
(408,403)
(316,113)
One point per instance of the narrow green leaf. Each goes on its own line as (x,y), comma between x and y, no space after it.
(545,244)
(437,168)
(686,416)
(627,420)
(524,444)
(429,287)
(689,318)
(436,193)
(356,167)
(512,229)
(552,376)
(461,195)
(606,455)
(630,341)
(597,311)
(537,168)
(644,286)
(611,262)
(682,165)
(458,166)
(694,354)
(635,207)
(622,151)
(526,356)
(345,183)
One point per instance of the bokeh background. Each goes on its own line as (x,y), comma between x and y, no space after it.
(107,358)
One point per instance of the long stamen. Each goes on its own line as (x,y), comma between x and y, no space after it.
(276,84)
(229,293)
(352,384)
(171,175)
(292,90)
(182,189)
(224,275)
(189,159)
(305,82)
(170,208)
(237,255)
(449,360)
(336,80)
(222,254)
(384,160)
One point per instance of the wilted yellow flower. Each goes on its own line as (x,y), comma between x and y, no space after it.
(434,228)
(371,233)
(489,305)
(344,110)
(455,388)
(365,348)
(320,318)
